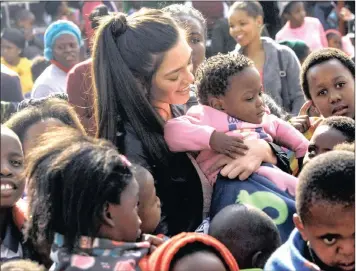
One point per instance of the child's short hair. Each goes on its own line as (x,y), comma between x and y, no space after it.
(54,108)
(39,64)
(22,265)
(344,125)
(327,178)
(23,14)
(90,171)
(252,8)
(321,56)
(212,76)
(345,147)
(245,230)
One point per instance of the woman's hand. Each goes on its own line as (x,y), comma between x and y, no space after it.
(301,123)
(258,151)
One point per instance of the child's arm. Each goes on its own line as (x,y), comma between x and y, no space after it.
(288,136)
(194,132)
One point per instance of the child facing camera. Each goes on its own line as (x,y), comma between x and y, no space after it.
(324,238)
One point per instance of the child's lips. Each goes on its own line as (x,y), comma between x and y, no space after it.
(347,267)
(7,187)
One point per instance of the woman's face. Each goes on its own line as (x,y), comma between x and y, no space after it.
(196,40)
(244,28)
(170,83)
(66,50)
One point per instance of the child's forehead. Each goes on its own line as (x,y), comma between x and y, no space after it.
(324,211)
(10,140)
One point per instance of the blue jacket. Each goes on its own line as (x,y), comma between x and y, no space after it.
(289,257)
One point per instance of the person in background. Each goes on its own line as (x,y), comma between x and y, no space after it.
(79,81)
(336,40)
(62,49)
(10,90)
(221,40)
(249,234)
(300,27)
(330,132)
(12,46)
(324,238)
(34,46)
(278,65)
(39,64)
(299,47)
(59,10)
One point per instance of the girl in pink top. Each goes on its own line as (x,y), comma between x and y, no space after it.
(230,90)
(300,27)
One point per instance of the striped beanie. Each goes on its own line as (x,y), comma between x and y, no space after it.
(55,30)
(161,259)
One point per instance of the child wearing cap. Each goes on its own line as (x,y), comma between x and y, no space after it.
(12,46)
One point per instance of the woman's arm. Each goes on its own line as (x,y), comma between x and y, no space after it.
(258,151)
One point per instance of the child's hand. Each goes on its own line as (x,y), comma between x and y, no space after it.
(231,146)
(301,123)
(153,240)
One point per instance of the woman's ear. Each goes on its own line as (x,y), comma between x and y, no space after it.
(216,103)
(259,21)
(107,217)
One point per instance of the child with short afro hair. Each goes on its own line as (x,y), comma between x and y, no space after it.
(324,238)
(249,234)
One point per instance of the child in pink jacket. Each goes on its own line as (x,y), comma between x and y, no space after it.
(299,27)
(232,110)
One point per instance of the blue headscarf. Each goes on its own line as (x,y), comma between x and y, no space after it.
(55,30)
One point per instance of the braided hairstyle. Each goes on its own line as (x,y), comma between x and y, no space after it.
(71,178)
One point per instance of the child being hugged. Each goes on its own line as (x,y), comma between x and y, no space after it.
(232,110)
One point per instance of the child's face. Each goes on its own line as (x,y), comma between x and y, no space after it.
(202,260)
(297,14)
(331,234)
(9,51)
(332,89)
(323,140)
(125,220)
(149,209)
(334,41)
(244,28)
(27,27)
(12,184)
(243,99)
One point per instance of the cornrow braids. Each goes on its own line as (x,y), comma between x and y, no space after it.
(212,76)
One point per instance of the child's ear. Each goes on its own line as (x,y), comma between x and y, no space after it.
(258,260)
(299,225)
(107,215)
(216,103)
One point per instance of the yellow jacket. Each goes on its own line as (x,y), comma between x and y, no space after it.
(23,69)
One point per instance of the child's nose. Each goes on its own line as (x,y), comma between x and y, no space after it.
(5,170)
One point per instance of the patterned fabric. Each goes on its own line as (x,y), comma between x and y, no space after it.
(99,254)
(290,256)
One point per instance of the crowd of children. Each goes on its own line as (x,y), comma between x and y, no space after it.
(151,157)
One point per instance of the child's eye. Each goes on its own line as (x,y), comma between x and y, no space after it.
(340,85)
(322,92)
(16,163)
(329,240)
(195,40)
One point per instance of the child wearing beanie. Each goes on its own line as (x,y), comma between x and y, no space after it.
(12,46)
(192,251)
